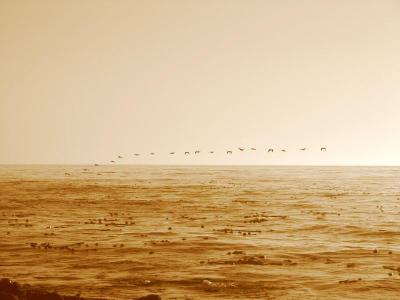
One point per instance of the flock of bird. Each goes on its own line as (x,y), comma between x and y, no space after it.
(212,152)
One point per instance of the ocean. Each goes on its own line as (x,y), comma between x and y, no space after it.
(203,232)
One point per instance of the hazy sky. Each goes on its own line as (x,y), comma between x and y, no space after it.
(84,81)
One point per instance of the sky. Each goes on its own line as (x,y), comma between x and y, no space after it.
(85,81)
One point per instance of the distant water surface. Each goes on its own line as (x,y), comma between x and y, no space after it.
(203,232)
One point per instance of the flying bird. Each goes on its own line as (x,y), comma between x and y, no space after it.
(211,152)
(196,152)
(172,153)
(303,149)
(270,150)
(241,149)
(112,161)
(283,150)
(136,154)
(187,153)
(253,149)
(323,149)
(229,152)
(152,153)
(119,156)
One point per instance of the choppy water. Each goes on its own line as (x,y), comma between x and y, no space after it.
(203,232)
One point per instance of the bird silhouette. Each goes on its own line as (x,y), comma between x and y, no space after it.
(151,153)
(303,149)
(211,152)
(323,149)
(253,149)
(172,153)
(197,152)
(187,153)
(112,161)
(270,150)
(136,154)
(119,156)
(229,152)
(283,150)
(241,149)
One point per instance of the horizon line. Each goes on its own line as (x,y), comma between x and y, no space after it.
(198,165)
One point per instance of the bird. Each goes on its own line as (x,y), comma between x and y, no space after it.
(323,149)
(119,156)
(151,153)
(211,152)
(172,153)
(241,149)
(112,161)
(253,149)
(229,152)
(283,150)
(136,154)
(196,152)
(303,149)
(187,153)
(270,150)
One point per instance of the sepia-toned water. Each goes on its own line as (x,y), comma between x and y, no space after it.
(203,232)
